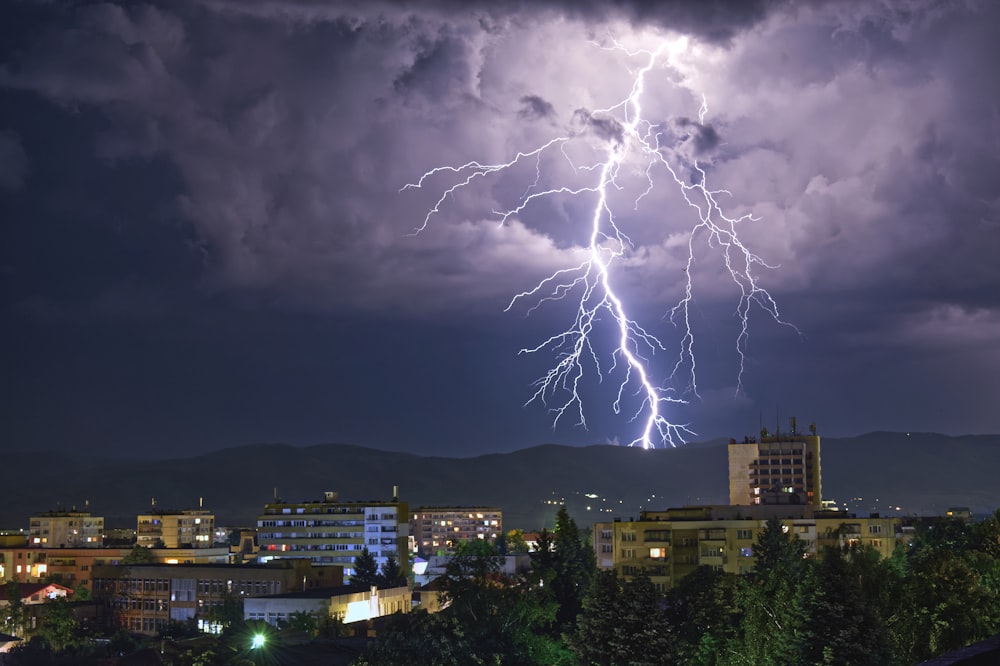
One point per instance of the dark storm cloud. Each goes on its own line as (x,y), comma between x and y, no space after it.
(703,138)
(604,127)
(534,107)
(225,162)
(712,20)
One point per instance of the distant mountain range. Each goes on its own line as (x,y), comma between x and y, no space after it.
(921,473)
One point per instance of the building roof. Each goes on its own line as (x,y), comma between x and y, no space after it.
(328,592)
(27,590)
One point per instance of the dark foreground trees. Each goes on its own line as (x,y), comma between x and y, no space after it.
(844,606)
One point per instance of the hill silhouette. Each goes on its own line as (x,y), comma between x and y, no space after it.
(921,473)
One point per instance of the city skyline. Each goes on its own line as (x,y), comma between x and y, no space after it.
(206,243)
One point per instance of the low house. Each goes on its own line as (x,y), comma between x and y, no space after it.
(33,593)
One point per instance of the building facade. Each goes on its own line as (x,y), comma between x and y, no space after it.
(334,532)
(668,545)
(190,528)
(66,529)
(437,530)
(350,603)
(783,468)
(145,598)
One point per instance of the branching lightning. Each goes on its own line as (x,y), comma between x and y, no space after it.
(631,138)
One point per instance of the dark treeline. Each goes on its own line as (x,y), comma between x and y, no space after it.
(845,606)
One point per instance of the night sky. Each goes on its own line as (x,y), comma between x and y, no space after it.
(205,242)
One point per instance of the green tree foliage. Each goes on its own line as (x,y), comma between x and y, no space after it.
(303,621)
(138,555)
(624,622)
(81,593)
(842,606)
(564,565)
(58,625)
(487,618)
(843,627)
(227,614)
(773,625)
(515,543)
(391,574)
(13,615)
(365,569)
(702,608)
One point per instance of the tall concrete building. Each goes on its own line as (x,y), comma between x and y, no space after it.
(146,598)
(331,531)
(670,544)
(189,528)
(780,468)
(66,529)
(438,530)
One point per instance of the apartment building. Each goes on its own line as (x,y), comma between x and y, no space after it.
(330,531)
(668,545)
(74,567)
(437,530)
(189,528)
(783,468)
(147,597)
(66,529)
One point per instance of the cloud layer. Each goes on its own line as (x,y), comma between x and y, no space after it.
(864,137)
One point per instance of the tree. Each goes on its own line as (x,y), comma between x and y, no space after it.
(304,621)
(702,607)
(81,593)
(392,573)
(777,548)
(515,543)
(365,569)
(623,622)
(564,565)
(227,614)
(138,555)
(14,615)
(843,627)
(487,618)
(58,625)
(773,626)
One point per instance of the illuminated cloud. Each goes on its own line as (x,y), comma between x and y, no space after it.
(864,136)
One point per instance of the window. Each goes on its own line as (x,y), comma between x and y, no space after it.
(744,534)
(746,552)
(605,534)
(628,553)
(874,529)
(657,553)
(628,536)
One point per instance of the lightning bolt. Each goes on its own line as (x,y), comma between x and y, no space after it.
(629,136)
